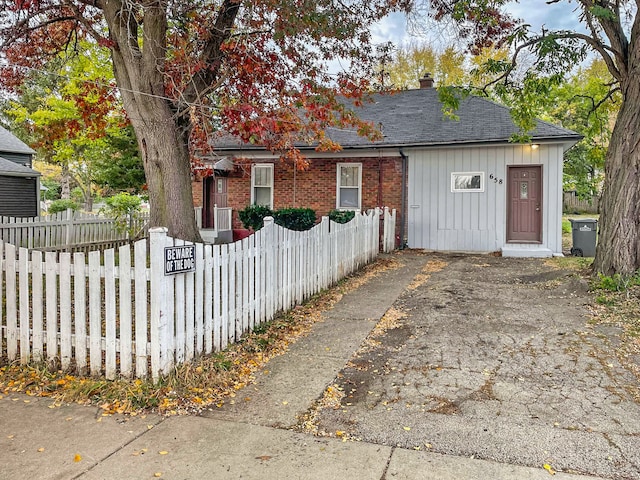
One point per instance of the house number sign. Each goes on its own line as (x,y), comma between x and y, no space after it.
(495,179)
(179,259)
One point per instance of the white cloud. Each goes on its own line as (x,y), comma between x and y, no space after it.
(555,16)
(392,28)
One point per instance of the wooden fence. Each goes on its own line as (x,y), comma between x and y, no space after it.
(132,318)
(388,230)
(571,203)
(67,230)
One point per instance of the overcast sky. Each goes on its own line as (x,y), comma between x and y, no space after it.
(561,15)
(558,16)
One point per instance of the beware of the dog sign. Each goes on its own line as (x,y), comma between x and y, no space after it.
(179,259)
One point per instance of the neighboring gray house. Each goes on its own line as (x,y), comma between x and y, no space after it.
(19,183)
(457,185)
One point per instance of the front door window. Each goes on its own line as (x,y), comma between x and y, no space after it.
(524,222)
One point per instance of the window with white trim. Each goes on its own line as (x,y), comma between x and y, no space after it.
(467,181)
(262,184)
(349,186)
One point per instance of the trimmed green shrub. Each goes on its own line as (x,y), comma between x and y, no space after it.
(341,216)
(62,205)
(77,195)
(252,217)
(124,208)
(52,191)
(298,219)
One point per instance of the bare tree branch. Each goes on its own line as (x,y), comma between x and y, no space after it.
(612,28)
(211,53)
(596,105)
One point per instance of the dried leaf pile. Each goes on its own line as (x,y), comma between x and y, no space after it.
(622,309)
(431,266)
(211,380)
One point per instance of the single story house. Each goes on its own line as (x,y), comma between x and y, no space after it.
(19,183)
(457,185)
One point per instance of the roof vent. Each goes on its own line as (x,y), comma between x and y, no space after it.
(426,81)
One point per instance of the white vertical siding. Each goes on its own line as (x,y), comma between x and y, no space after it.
(552,219)
(439,219)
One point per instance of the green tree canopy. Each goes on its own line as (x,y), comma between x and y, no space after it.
(537,66)
(185,67)
(586,104)
(74,119)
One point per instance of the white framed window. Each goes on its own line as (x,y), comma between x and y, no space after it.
(467,181)
(349,186)
(262,184)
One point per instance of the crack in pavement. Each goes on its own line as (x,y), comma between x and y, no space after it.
(515,379)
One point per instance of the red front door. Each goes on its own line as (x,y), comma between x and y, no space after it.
(524,208)
(215,194)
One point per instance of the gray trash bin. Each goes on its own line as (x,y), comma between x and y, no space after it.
(584,232)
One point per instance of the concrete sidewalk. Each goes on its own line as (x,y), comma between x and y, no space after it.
(250,439)
(41,443)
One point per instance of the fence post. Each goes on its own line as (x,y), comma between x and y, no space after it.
(385,231)
(69,227)
(197,211)
(324,257)
(271,266)
(157,241)
(392,230)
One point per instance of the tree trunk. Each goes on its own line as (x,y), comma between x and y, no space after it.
(167,167)
(618,249)
(88,200)
(163,143)
(65,182)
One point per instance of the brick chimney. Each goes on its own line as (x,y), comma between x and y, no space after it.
(426,81)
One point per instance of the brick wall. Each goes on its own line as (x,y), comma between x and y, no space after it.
(238,194)
(196,192)
(316,187)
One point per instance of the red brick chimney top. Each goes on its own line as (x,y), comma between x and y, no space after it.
(426,81)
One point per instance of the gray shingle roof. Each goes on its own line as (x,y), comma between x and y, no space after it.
(13,169)
(12,144)
(415,118)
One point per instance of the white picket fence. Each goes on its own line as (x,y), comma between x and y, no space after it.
(388,230)
(222,217)
(132,319)
(66,229)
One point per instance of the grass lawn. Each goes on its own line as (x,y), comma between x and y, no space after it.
(567,237)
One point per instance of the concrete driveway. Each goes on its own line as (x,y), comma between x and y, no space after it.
(493,358)
(465,368)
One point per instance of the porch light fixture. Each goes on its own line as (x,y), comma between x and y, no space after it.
(535,146)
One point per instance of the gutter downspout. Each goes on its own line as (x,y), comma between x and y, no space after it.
(380,197)
(403,210)
(38,204)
